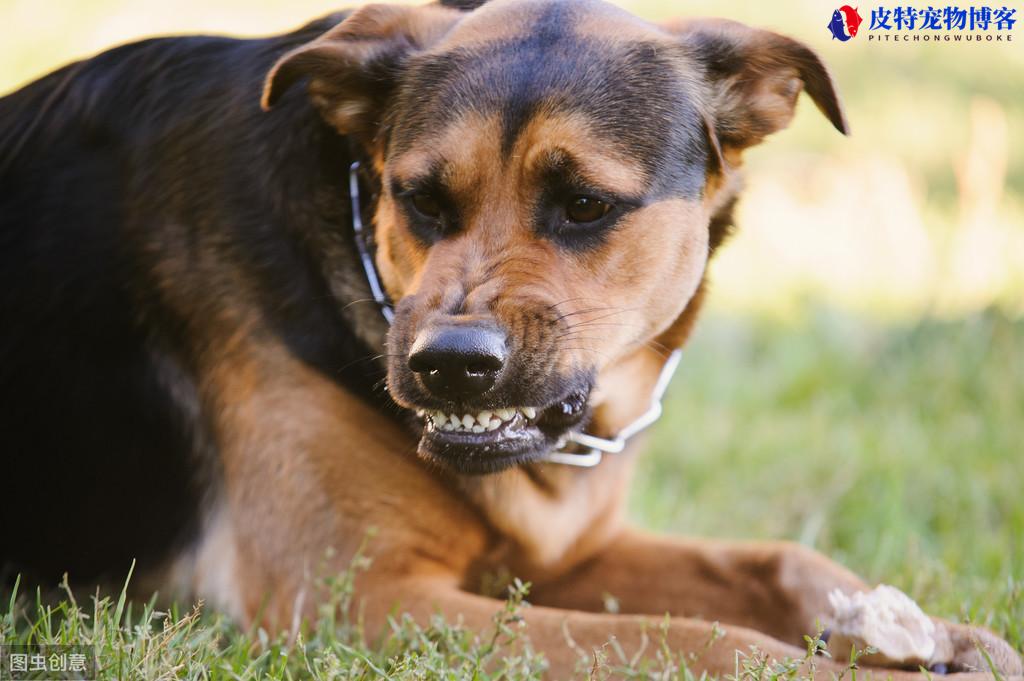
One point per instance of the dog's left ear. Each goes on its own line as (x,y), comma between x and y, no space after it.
(353,69)
(754,78)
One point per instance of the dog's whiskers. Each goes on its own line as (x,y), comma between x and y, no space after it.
(592,350)
(569,300)
(571,338)
(357,302)
(583,325)
(586,311)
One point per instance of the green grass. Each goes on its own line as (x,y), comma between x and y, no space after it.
(898,450)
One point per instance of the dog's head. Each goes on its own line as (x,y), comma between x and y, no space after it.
(549,171)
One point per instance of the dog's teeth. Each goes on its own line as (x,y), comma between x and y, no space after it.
(483,421)
(421,412)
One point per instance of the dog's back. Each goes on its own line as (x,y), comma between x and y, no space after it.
(125,182)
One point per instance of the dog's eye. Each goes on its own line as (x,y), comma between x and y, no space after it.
(426,204)
(583,209)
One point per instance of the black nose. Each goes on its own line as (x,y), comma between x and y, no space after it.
(458,361)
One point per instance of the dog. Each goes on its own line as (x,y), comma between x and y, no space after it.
(404,268)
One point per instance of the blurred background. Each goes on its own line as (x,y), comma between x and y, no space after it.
(857,383)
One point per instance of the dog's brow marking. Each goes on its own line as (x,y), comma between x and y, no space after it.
(454,153)
(571,134)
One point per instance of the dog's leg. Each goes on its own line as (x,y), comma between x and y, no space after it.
(775,587)
(570,638)
(779,588)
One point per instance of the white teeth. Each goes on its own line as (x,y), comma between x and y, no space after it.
(486,420)
(421,412)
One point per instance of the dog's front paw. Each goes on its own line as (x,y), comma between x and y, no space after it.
(964,648)
(898,634)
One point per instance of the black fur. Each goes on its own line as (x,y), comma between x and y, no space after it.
(145,199)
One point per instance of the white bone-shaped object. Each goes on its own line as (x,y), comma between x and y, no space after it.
(885,619)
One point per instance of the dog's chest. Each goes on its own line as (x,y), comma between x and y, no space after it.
(551,517)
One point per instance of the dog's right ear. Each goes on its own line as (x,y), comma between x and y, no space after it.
(353,68)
